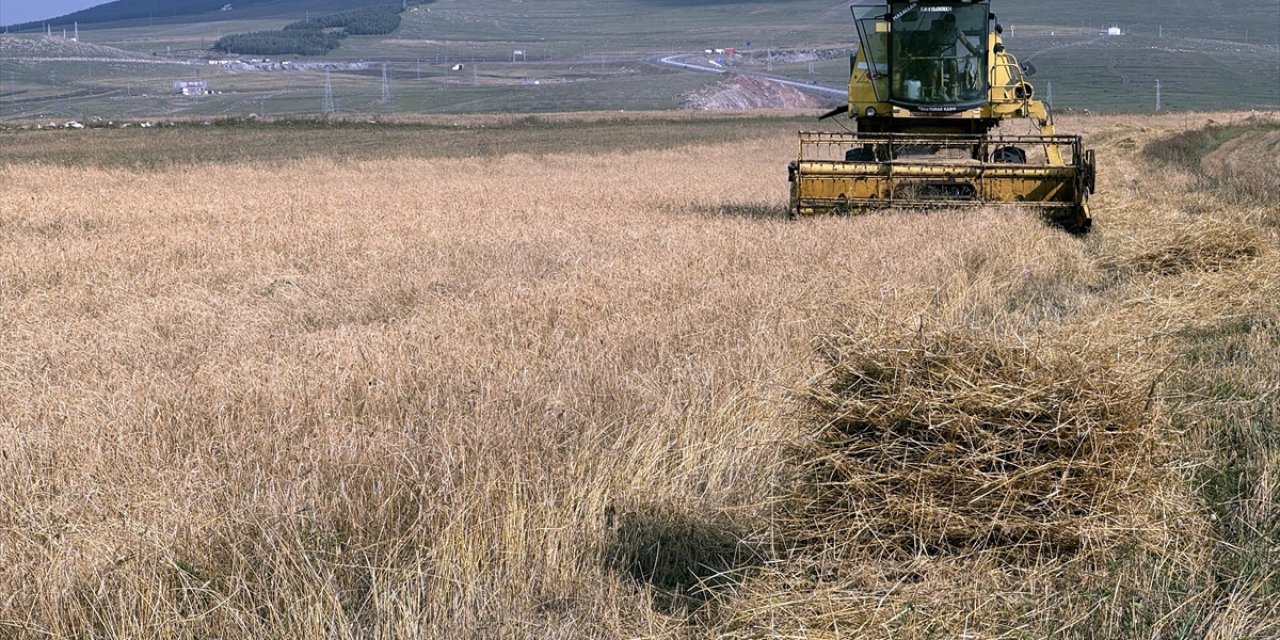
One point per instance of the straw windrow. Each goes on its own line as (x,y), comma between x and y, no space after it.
(947,441)
(1203,246)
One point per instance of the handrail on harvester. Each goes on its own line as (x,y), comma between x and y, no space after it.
(818,145)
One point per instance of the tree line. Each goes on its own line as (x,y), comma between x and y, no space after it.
(276,43)
(375,20)
(319,35)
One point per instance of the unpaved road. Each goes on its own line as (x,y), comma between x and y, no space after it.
(682,61)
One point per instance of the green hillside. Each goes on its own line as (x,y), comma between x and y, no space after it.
(168,12)
(591,55)
(1226,19)
(1259,21)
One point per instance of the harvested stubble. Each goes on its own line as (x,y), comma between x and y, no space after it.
(950,441)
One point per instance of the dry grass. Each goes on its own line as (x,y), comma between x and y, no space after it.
(555,395)
(1203,245)
(961,481)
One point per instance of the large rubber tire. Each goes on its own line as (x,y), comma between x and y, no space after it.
(1012,155)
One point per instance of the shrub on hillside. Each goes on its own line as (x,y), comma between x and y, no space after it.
(309,43)
(376,20)
(319,35)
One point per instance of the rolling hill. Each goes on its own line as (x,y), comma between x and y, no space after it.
(581,55)
(167,12)
(1229,18)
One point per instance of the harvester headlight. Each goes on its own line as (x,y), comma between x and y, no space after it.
(871,112)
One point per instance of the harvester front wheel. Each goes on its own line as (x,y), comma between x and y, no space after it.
(1013,155)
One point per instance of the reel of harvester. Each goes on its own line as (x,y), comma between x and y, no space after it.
(929,82)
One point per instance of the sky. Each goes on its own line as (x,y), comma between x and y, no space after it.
(16,11)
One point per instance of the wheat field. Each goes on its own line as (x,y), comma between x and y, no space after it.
(560,394)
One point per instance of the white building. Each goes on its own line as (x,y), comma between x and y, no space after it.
(191,87)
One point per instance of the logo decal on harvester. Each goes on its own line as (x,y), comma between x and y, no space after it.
(916,5)
(905,11)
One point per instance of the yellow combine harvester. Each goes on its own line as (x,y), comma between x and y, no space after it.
(929,82)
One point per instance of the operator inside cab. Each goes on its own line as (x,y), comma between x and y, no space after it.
(940,57)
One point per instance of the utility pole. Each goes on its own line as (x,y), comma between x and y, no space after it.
(386,85)
(1157,95)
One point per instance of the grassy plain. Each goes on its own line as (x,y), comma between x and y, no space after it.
(539,377)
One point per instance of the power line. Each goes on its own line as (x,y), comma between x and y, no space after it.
(327,106)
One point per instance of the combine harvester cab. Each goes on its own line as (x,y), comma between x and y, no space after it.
(930,81)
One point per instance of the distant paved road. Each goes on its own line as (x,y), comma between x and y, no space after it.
(72,95)
(680,61)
